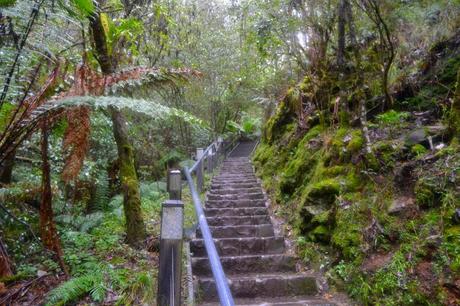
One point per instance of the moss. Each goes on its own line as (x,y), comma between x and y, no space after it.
(322,218)
(321,233)
(135,228)
(322,193)
(334,171)
(418,150)
(300,164)
(286,113)
(352,182)
(347,236)
(387,152)
(450,70)
(357,141)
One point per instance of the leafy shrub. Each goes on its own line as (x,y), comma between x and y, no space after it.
(392,117)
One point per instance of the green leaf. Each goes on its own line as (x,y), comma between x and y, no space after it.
(86,7)
(6,3)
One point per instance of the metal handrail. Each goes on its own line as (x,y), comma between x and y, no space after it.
(205,153)
(223,289)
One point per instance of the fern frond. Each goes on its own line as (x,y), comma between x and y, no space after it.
(151,109)
(91,221)
(76,288)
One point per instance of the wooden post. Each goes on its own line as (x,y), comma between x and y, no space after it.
(171,236)
(199,170)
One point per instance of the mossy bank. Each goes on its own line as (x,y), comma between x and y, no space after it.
(377,213)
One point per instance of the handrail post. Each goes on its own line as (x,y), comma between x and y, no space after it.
(210,160)
(220,147)
(199,170)
(171,236)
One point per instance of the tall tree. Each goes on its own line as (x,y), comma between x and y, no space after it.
(373,10)
(341,39)
(135,227)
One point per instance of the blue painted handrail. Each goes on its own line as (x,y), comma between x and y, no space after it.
(223,290)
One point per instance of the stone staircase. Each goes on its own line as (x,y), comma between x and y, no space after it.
(253,257)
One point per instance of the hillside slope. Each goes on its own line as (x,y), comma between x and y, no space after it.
(373,200)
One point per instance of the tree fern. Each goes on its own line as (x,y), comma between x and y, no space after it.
(149,108)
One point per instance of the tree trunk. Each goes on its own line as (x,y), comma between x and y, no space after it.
(135,228)
(5,262)
(48,231)
(341,34)
(6,170)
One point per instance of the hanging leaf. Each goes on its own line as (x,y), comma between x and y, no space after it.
(6,3)
(86,7)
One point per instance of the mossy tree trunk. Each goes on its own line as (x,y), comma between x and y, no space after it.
(135,228)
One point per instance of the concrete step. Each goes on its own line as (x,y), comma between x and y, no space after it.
(240,246)
(261,286)
(249,196)
(241,211)
(234,181)
(237,203)
(235,185)
(230,175)
(280,301)
(243,220)
(226,190)
(240,231)
(246,264)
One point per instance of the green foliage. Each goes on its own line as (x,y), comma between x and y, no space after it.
(418,150)
(392,117)
(86,7)
(75,288)
(6,3)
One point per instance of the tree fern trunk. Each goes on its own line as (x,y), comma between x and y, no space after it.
(5,262)
(6,170)
(48,231)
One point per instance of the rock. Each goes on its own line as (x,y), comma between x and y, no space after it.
(416,137)
(41,273)
(456,216)
(401,205)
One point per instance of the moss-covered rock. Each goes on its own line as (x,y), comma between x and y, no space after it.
(286,113)
(322,193)
(300,163)
(356,142)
